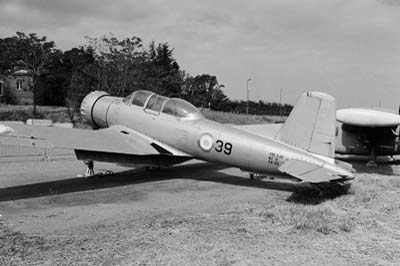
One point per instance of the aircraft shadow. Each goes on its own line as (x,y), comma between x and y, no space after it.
(201,171)
(312,197)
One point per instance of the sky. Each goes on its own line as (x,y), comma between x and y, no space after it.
(347,48)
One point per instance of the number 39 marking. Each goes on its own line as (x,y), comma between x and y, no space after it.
(227,148)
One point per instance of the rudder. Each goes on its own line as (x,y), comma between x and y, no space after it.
(311,125)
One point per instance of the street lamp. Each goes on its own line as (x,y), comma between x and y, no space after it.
(247,106)
(280,102)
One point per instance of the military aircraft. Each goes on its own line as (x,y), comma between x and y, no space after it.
(359,132)
(367,132)
(148,129)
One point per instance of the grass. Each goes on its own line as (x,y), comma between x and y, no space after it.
(358,228)
(16,246)
(24,112)
(241,119)
(321,218)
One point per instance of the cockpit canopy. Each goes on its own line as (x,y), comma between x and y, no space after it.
(155,103)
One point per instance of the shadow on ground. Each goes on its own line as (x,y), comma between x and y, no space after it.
(197,171)
(313,197)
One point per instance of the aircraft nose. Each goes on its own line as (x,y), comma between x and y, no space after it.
(88,103)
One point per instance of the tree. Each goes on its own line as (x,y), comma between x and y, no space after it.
(8,97)
(51,82)
(68,77)
(160,72)
(117,63)
(204,90)
(29,50)
(124,66)
(218,99)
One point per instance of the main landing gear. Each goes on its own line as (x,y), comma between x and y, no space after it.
(90,170)
(255,176)
(372,157)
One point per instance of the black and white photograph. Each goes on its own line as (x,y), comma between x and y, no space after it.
(196,133)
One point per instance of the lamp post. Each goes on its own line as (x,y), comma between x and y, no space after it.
(247,106)
(280,102)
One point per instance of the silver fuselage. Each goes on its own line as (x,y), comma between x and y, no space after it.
(230,146)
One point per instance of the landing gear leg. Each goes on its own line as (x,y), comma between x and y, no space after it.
(89,168)
(372,156)
(256,176)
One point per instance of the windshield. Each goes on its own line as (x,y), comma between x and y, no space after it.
(140,97)
(175,106)
(127,99)
(181,108)
(155,103)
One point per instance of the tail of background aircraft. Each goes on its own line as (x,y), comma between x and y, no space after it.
(311,125)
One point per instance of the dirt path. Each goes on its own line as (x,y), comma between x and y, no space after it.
(42,198)
(192,214)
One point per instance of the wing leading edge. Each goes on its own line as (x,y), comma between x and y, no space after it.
(115,144)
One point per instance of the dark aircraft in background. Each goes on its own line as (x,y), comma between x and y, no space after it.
(367,132)
(359,132)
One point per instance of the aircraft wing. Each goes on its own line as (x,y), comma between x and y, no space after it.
(308,172)
(108,144)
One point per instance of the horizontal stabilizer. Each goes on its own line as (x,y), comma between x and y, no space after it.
(310,173)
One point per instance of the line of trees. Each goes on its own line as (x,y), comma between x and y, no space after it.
(116,66)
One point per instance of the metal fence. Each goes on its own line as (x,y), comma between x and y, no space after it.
(9,153)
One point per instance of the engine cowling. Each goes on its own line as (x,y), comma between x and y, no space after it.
(95,106)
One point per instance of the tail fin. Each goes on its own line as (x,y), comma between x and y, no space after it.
(311,125)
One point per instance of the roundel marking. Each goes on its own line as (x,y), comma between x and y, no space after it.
(205,142)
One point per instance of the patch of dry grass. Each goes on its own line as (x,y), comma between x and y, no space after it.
(359,228)
(318,218)
(54,113)
(15,247)
(275,232)
(24,112)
